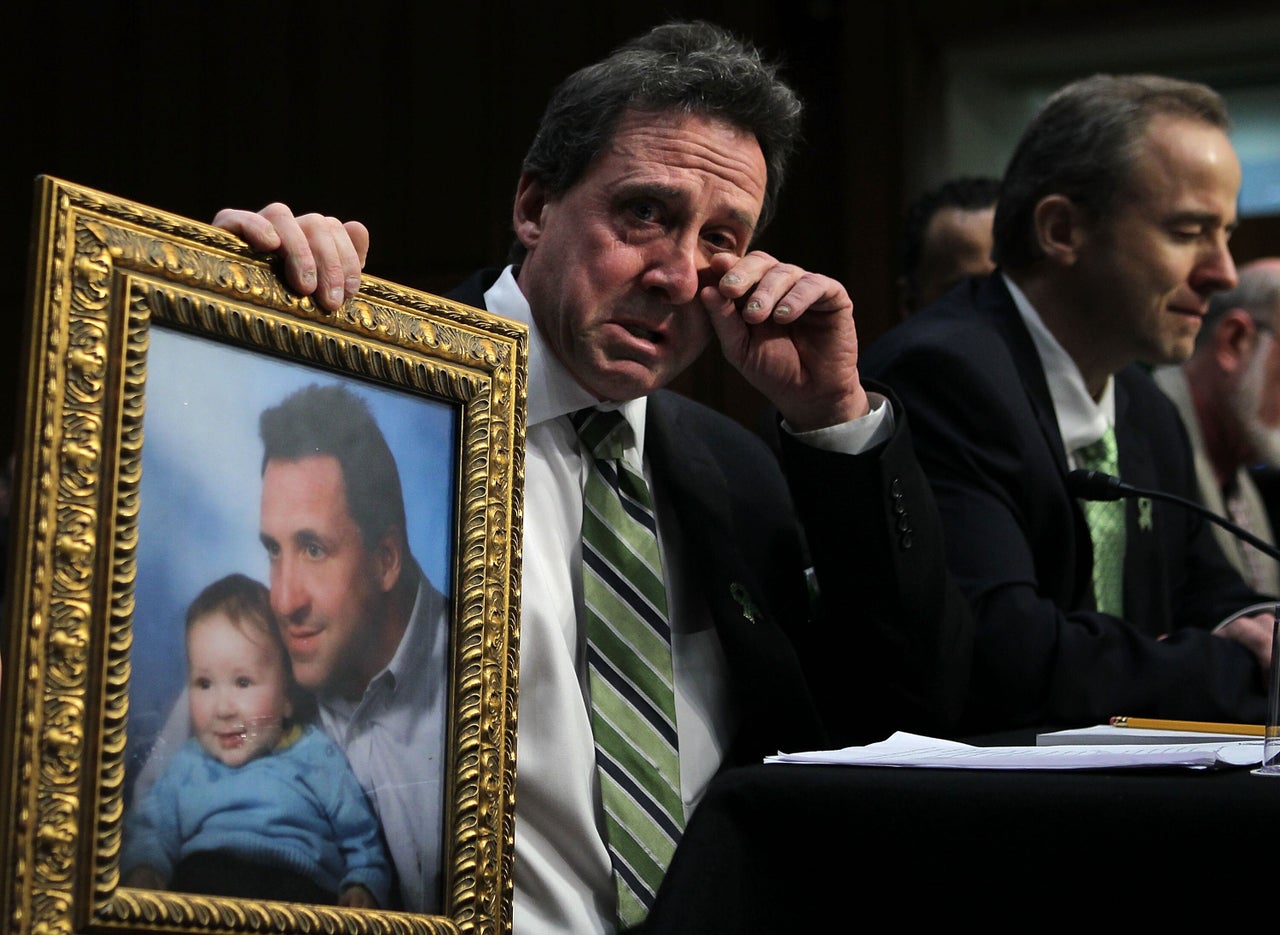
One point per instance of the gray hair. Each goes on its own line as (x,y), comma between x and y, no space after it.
(695,68)
(1082,144)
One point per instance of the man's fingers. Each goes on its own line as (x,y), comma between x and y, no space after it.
(740,275)
(249,226)
(322,256)
(767,289)
(335,257)
(1254,633)
(293,247)
(358,234)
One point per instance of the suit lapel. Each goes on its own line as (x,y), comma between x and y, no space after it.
(998,304)
(686,474)
(1004,318)
(1137,467)
(767,688)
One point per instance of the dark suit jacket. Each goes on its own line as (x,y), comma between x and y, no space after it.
(987,436)
(886,644)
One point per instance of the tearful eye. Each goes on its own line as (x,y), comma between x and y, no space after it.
(646,211)
(721,243)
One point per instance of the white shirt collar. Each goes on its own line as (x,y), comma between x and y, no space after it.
(1081,421)
(553,392)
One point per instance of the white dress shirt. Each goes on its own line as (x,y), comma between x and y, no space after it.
(1081,419)
(394,739)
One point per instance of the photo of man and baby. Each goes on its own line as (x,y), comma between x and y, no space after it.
(289,702)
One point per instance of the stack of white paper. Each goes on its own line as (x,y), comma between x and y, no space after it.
(903,749)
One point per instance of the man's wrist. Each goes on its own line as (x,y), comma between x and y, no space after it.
(853,436)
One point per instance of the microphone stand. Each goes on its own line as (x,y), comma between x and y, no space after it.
(1095,485)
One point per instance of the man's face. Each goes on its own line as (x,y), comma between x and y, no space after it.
(325,584)
(1144,275)
(957,245)
(614,264)
(237,689)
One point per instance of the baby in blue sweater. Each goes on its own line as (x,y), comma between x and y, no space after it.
(255,804)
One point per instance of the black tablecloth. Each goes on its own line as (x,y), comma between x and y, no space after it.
(814,848)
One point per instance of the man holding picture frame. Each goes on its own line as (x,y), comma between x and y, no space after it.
(651,175)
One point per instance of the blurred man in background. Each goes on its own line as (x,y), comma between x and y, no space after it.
(1228,394)
(946,237)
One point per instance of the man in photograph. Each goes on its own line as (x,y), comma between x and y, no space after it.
(367,633)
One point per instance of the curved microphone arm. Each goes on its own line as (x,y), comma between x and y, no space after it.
(1095,485)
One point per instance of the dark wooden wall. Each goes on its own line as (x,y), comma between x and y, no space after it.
(410,116)
(413,117)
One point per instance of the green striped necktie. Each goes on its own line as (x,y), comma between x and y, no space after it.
(633,716)
(1106,526)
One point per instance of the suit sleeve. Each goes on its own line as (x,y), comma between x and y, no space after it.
(890,645)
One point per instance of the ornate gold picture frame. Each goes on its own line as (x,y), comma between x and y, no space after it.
(163,363)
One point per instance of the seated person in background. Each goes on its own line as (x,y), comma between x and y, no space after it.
(1110,235)
(946,237)
(256,804)
(1228,394)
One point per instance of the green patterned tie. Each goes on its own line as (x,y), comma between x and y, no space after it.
(633,716)
(1106,527)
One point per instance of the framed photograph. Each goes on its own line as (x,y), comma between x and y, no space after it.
(262,625)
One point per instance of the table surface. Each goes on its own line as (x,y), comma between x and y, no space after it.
(796,848)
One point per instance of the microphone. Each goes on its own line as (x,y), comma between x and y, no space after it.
(1095,485)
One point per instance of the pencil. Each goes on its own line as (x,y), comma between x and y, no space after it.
(1199,727)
